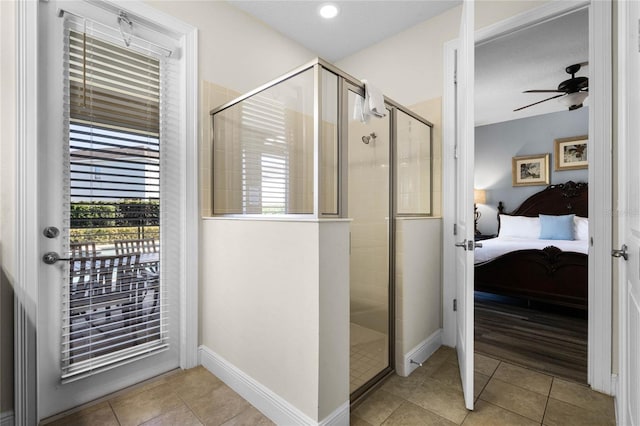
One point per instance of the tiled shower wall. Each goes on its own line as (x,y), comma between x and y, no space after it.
(368,206)
(301,172)
(211,96)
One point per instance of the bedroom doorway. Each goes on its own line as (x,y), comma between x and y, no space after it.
(526,313)
(599,373)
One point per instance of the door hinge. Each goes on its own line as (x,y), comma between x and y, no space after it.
(455,229)
(455,305)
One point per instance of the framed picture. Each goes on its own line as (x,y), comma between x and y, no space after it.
(571,153)
(530,170)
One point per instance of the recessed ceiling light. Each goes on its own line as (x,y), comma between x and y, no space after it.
(329,11)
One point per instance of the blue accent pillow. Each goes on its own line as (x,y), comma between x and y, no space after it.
(556,227)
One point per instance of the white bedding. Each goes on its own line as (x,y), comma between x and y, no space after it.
(495,247)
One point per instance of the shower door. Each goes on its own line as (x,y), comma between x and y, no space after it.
(368,205)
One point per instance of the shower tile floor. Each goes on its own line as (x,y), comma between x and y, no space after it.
(369,355)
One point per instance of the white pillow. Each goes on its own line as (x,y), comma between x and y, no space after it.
(519,227)
(580,228)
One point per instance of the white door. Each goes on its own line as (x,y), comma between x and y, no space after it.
(629,215)
(464,200)
(121,336)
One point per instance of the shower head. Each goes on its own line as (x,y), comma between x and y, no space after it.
(367,139)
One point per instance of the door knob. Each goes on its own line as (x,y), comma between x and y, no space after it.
(51,232)
(52,257)
(462,244)
(621,253)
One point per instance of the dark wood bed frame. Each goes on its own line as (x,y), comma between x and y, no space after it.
(549,275)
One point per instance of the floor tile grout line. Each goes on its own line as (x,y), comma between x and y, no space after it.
(544,415)
(191,409)
(114,412)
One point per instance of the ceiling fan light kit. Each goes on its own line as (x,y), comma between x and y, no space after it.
(573,100)
(573,91)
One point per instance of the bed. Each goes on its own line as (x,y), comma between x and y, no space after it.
(547,270)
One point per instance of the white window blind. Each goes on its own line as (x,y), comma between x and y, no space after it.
(117,106)
(265,156)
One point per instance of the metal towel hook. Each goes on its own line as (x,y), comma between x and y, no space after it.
(123,18)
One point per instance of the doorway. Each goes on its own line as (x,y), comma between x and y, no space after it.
(511,123)
(599,288)
(74,371)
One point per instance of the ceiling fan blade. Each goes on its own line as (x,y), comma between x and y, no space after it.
(585,63)
(539,102)
(544,91)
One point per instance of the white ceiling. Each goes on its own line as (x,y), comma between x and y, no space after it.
(360,24)
(533,58)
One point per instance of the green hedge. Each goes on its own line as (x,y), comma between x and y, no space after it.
(105,214)
(108,235)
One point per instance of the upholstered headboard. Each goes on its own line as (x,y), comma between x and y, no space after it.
(563,198)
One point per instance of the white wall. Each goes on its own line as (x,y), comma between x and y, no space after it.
(408,66)
(236,51)
(7,200)
(272,293)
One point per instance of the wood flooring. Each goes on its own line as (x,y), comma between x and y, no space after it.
(548,339)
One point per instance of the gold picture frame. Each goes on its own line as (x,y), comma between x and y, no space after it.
(571,153)
(530,170)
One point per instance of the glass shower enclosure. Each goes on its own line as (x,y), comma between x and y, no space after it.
(300,146)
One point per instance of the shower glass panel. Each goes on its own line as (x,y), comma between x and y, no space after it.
(263,151)
(369,208)
(329,145)
(413,165)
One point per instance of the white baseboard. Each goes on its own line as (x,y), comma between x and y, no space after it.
(277,409)
(421,353)
(340,417)
(7,419)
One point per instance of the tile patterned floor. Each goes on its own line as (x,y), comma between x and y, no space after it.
(190,397)
(368,355)
(505,395)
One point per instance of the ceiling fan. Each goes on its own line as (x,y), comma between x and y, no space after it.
(572,91)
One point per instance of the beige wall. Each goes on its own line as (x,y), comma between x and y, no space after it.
(272,293)
(408,66)
(236,50)
(7,200)
(418,283)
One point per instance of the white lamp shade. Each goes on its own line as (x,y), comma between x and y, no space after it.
(575,98)
(479,196)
